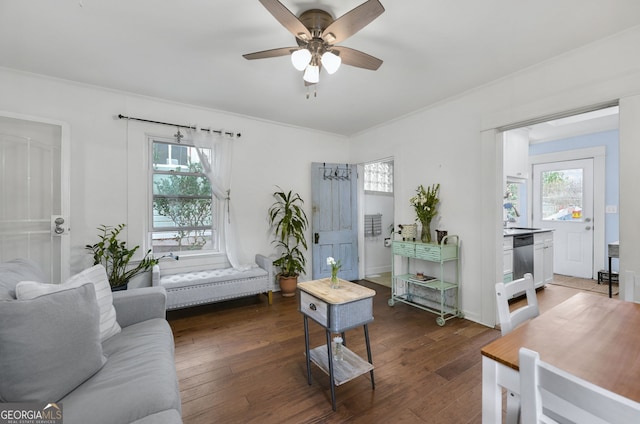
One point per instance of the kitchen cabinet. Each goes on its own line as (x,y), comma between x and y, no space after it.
(436,294)
(507,259)
(516,156)
(547,257)
(542,258)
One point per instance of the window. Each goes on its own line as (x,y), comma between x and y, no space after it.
(562,195)
(184,210)
(378,177)
(512,202)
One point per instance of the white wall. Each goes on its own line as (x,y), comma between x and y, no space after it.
(451,143)
(109,180)
(446,144)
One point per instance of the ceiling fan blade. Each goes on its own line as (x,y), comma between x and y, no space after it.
(287,19)
(357,58)
(352,22)
(265,54)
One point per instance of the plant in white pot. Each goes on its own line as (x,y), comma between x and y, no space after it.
(289,223)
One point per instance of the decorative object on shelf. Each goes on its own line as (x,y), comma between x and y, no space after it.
(440,234)
(289,223)
(114,255)
(425,203)
(335,267)
(338,354)
(409,232)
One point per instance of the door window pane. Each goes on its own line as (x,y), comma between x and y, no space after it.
(562,195)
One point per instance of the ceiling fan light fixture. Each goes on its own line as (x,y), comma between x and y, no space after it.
(312,74)
(331,62)
(300,59)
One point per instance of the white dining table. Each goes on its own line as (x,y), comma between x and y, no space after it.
(591,336)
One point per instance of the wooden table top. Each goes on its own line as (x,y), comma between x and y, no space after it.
(347,292)
(591,336)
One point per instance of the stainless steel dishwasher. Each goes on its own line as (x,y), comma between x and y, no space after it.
(522,255)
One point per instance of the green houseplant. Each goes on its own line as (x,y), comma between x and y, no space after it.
(115,256)
(289,223)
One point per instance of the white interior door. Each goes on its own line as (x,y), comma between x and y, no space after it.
(563,201)
(33,220)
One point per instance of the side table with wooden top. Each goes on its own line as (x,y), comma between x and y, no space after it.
(337,310)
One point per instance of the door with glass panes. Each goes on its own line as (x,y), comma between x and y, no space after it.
(563,201)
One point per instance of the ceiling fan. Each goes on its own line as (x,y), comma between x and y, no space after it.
(317,34)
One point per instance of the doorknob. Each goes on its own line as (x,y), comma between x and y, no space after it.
(588,227)
(56,224)
(587,220)
(316,238)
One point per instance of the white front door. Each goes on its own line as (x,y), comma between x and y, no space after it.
(563,201)
(33,204)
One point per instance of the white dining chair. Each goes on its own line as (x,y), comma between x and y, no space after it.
(511,319)
(552,395)
(505,291)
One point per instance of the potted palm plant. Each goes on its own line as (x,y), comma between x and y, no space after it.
(289,223)
(114,255)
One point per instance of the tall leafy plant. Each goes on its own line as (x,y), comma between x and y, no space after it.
(115,256)
(289,223)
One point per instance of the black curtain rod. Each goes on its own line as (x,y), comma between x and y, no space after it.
(231,134)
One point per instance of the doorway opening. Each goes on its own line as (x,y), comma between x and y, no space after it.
(548,151)
(377,216)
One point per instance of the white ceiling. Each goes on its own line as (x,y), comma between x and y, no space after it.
(190,51)
(585,123)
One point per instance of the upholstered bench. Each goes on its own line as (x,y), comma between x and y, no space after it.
(214,285)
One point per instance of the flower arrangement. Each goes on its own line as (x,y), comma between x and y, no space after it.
(425,203)
(335,267)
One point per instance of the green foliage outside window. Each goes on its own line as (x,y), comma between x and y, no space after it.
(185,199)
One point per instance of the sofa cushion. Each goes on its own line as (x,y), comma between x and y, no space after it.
(14,271)
(170,416)
(48,345)
(138,380)
(96,275)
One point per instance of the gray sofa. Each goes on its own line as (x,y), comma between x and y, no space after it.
(132,376)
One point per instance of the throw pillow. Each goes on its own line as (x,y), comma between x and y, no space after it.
(96,275)
(14,271)
(48,345)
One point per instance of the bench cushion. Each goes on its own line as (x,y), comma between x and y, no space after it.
(209,276)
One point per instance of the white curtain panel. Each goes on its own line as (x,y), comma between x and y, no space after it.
(218,169)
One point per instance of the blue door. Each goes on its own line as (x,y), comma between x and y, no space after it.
(334,219)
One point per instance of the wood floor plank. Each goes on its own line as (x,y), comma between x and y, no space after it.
(242,361)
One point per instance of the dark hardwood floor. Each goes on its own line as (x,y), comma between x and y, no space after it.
(242,361)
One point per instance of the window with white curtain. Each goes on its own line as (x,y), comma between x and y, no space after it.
(378,177)
(183,207)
